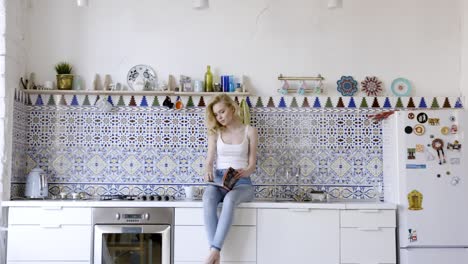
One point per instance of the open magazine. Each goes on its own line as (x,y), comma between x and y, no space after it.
(228,180)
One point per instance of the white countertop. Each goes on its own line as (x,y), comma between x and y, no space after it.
(335,204)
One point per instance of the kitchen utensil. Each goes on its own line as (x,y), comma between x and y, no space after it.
(36,184)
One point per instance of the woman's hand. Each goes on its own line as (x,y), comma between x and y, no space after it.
(209,177)
(242,173)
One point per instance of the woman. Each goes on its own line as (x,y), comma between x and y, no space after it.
(230,144)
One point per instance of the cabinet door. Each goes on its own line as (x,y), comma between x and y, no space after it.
(191,245)
(368,245)
(299,236)
(49,243)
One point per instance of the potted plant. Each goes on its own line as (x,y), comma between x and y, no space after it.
(64,76)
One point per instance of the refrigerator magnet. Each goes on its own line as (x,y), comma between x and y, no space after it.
(411,116)
(455,181)
(438,145)
(411,152)
(454,129)
(452,118)
(419,148)
(422,118)
(434,121)
(444,130)
(408,130)
(412,236)
(415,166)
(429,156)
(415,199)
(454,146)
(419,130)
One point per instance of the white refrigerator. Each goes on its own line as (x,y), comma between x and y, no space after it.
(425,164)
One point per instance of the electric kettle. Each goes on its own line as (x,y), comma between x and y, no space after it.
(36,184)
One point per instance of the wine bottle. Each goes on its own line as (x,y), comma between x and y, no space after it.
(208,80)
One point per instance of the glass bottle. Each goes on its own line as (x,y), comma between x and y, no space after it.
(208,80)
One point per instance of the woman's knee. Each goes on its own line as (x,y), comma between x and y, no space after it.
(210,195)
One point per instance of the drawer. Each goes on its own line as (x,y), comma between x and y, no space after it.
(191,245)
(371,245)
(194,216)
(49,216)
(368,218)
(62,243)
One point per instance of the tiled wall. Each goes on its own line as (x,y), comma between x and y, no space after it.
(151,149)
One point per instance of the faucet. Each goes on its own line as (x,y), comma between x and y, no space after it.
(299,195)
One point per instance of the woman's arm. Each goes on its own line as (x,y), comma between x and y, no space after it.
(253,142)
(210,156)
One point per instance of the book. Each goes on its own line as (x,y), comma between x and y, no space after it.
(228,180)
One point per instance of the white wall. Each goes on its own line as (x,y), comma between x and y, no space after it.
(416,39)
(464,48)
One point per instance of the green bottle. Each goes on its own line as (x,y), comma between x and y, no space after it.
(208,80)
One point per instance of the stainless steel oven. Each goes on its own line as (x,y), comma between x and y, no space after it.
(133,235)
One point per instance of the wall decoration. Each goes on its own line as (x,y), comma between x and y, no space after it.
(150,150)
(347,86)
(371,86)
(401,87)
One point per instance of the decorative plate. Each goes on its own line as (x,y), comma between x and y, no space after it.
(371,86)
(141,77)
(401,87)
(347,86)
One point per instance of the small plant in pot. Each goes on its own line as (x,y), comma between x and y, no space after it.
(64,76)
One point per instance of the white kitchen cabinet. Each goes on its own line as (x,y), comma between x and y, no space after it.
(299,236)
(49,235)
(368,236)
(191,245)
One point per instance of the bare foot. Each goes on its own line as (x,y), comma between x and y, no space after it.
(214,257)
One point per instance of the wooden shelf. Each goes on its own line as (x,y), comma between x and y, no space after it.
(213,93)
(144,93)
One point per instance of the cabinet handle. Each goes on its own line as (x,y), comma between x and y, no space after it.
(369,229)
(370,211)
(55,208)
(50,226)
(299,210)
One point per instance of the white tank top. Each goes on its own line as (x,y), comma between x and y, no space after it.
(232,155)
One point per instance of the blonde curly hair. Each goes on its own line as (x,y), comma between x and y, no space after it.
(211,123)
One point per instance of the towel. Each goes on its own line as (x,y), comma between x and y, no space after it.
(244,112)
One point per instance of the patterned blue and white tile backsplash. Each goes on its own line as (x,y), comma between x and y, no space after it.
(147,150)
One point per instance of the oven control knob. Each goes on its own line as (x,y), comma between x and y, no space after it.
(146,216)
(117,216)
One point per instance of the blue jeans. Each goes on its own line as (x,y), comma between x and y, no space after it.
(218,228)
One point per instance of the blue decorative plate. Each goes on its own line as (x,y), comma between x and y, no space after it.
(401,87)
(347,86)
(140,76)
